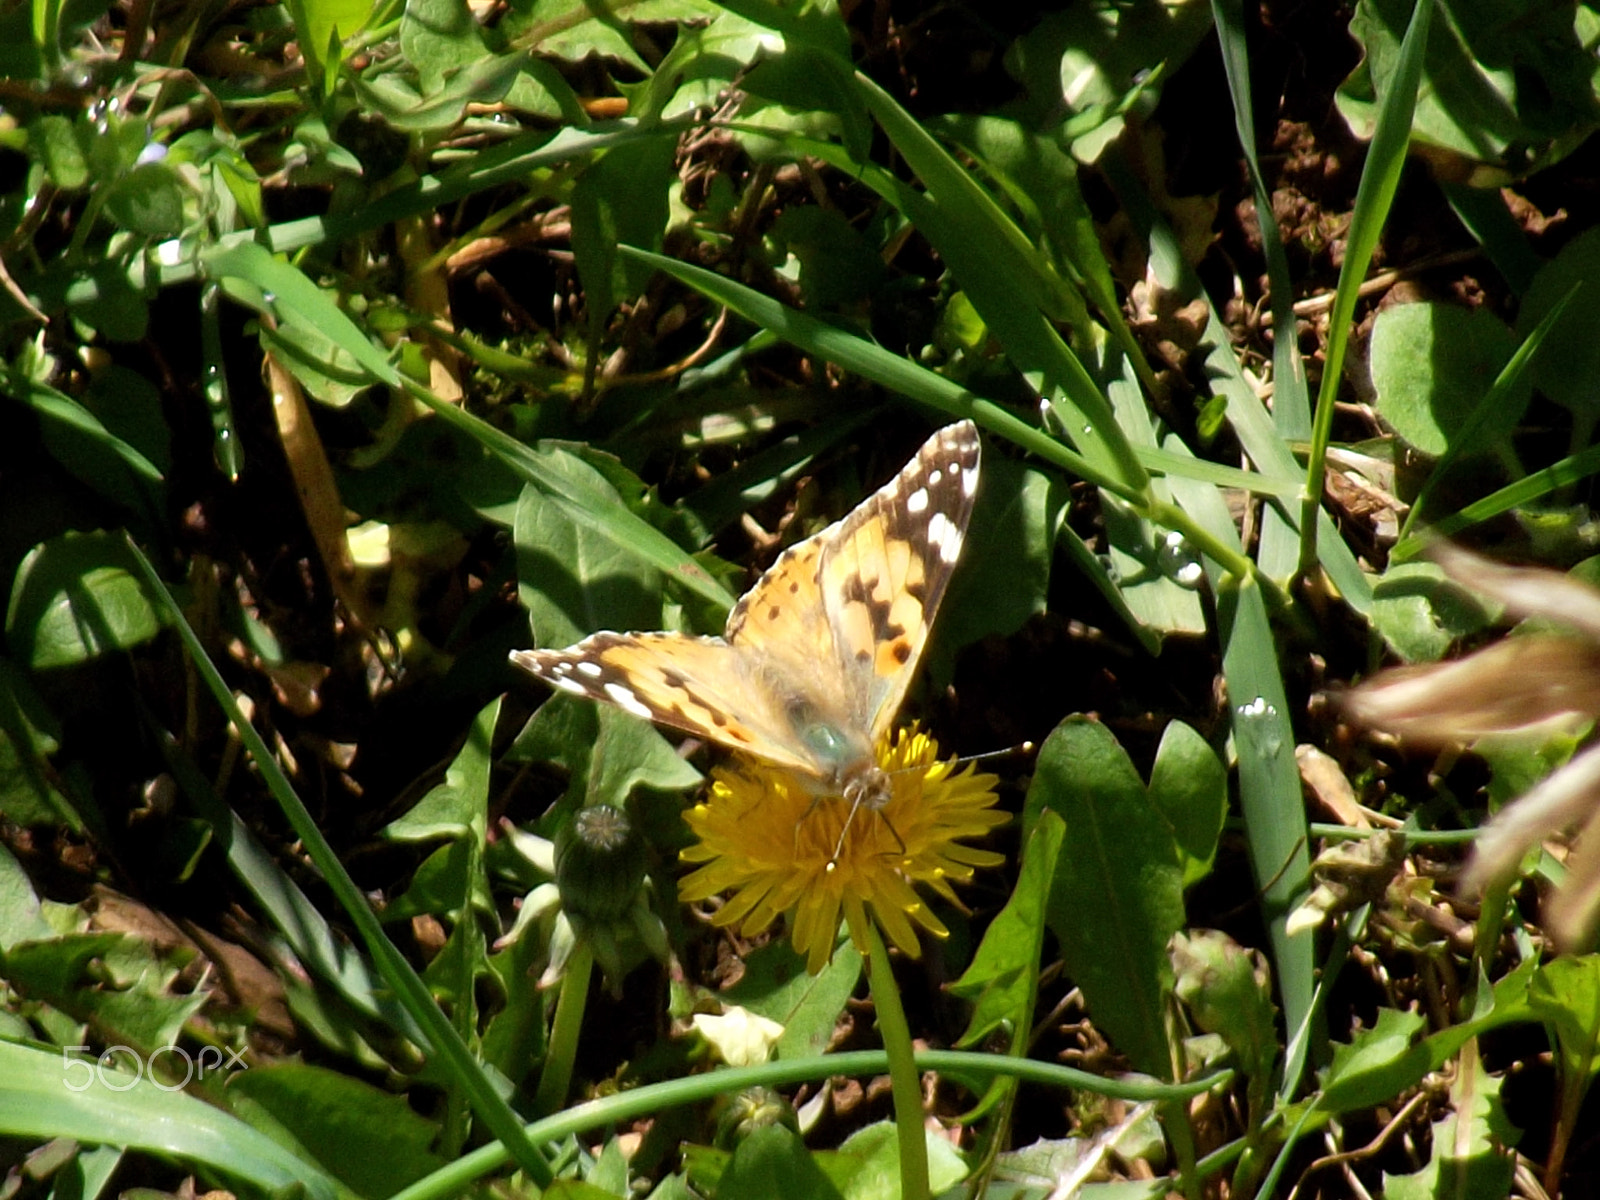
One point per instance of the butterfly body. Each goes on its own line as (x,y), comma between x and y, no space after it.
(817,656)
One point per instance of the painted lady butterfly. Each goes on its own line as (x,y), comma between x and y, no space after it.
(817,656)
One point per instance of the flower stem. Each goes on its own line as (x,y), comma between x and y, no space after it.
(904,1081)
(556,1077)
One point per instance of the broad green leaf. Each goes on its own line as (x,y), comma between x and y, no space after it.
(1569,364)
(1565,994)
(703,62)
(1118,893)
(114,300)
(1004,575)
(1080,59)
(1476,1166)
(1375,1065)
(371,1140)
(73,599)
(573,581)
(1519,760)
(621,198)
(29,734)
(766,1156)
(148,200)
(607,751)
(1490,423)
(120,984)
(322,25)
(328,374)
(1228,990)
(838,266)
(116,1108)
(1189,786)
(867,1165)
(55,141)
(630,753)
(576,1189)
(438,38)
(1002,978)
(19,906)
(482,80)
(1510,86)
(1420,611)
(777,986)
(1002,981)
(457,807)
(1431,366)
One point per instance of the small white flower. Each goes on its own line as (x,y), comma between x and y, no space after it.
(740,1037)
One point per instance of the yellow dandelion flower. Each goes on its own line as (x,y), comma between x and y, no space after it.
(766,837)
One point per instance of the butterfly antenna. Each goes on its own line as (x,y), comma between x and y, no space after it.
(963,760)
(1019,748)
(838,846)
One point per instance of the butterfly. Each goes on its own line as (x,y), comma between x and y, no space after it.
(818,654)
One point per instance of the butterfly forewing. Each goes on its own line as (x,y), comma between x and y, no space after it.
(885,571)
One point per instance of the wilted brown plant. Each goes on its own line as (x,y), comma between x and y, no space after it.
(1543,678)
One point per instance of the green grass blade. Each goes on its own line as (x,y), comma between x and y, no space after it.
(1386,156)
(1269,781)
(656,1098)
(1249,417)
(45,1095)
(1524,491)
(999,269)
(873,362)
(275,286)
(918,383)
(1200,470)
(306,932)
(451,1054)
(1291,404)
(67,413)
(511,162)
(581,492)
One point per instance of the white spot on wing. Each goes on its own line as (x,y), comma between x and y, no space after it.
(943,533)
(592,669)
(624,699)
(934,476)
(917,501)
(969,482)
(567,684)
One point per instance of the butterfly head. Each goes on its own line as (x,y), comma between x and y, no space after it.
(868,787)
